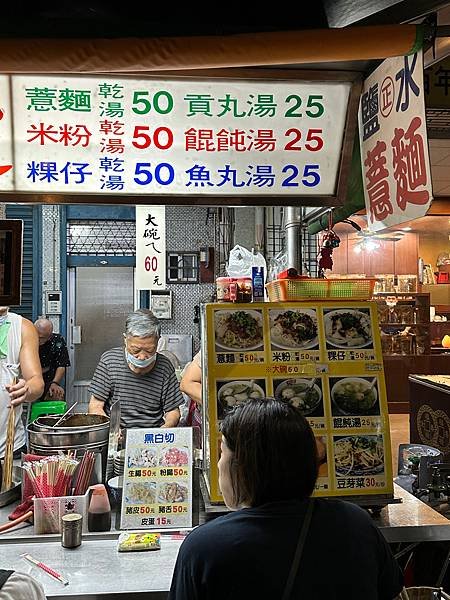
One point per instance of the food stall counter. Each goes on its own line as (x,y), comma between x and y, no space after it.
(96,570)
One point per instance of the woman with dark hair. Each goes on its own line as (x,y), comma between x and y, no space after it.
(267,473)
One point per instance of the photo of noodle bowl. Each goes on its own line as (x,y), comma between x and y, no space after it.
(348,328)
(359,455)
(140,492)
(238,329)
(173,492)
(296,328)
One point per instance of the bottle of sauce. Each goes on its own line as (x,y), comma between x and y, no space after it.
(99,513)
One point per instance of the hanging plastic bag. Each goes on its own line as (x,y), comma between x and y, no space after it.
(241,261)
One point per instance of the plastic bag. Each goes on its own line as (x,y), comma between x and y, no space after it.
(241,261)
(277,264)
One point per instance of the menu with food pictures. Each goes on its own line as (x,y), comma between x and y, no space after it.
(323,358)
(157,483)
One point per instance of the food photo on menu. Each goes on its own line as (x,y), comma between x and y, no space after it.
(354,396)
(293,329)
(237,330)
(322,455)
(358,455)
(140,492)
(348,328)
(173,491)
(231,393)
(304,394)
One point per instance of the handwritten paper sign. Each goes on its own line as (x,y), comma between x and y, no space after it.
(394,147)
(157,483)
(150,248)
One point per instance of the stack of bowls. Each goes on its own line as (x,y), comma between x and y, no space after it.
(119,463)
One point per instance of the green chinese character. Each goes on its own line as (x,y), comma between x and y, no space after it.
(41,99)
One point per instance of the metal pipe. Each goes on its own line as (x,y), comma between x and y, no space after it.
(294,237)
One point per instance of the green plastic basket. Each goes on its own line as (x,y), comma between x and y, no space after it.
(302,290)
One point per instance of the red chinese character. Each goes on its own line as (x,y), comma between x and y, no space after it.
(409,165)
(377,186)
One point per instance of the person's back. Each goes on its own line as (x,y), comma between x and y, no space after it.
(267,471)
(248,554)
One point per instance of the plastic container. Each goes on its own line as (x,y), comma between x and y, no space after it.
(48,512)
(223,289)
(298,290)
(234,289)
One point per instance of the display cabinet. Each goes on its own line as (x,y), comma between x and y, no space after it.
(404,320)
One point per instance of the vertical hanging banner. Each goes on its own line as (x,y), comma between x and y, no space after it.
(150,248)
(6,171)
(394,145)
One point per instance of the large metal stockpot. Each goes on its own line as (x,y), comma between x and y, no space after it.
(78,432)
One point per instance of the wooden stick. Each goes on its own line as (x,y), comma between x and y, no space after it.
(9,448)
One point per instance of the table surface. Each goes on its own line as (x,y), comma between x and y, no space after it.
(96,568)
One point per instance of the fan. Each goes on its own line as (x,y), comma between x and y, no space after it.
(369,241)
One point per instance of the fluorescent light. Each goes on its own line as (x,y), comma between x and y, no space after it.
(406,228)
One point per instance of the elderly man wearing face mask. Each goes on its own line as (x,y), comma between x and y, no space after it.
(143,381)
(20,372)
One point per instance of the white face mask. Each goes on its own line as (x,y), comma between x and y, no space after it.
(138,362)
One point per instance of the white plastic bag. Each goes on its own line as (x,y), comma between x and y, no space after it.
(241,261)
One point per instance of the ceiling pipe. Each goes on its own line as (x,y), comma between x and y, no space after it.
(136,55)
(293,228)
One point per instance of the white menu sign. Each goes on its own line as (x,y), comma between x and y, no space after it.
(394,146)
(6,160)
(150,248)
(192,137)
(157,483)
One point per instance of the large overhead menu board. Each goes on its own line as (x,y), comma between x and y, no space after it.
(209,137)
(326,360)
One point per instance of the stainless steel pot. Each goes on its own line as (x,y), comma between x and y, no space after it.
(79,432)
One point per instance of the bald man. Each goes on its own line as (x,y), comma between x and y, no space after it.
(54,359)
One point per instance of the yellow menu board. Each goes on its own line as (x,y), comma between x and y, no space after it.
(324,358)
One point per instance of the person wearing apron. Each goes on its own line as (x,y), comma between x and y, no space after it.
(19,362)
(19,586)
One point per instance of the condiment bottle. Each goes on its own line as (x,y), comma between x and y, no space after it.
(99,513)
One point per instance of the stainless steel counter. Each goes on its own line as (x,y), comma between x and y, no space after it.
(96,569)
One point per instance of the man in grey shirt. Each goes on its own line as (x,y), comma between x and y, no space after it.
(143,381)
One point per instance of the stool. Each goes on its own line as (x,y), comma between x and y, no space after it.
(47,407)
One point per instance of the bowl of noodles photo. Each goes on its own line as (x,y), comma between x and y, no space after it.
(348,328)
(359,455)
(296,328)
(238,329)
(301,394)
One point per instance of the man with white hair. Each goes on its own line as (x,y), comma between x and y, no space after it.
(137,376)
(20,372)
(54,359)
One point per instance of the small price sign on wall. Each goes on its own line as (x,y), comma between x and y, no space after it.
(150,248)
